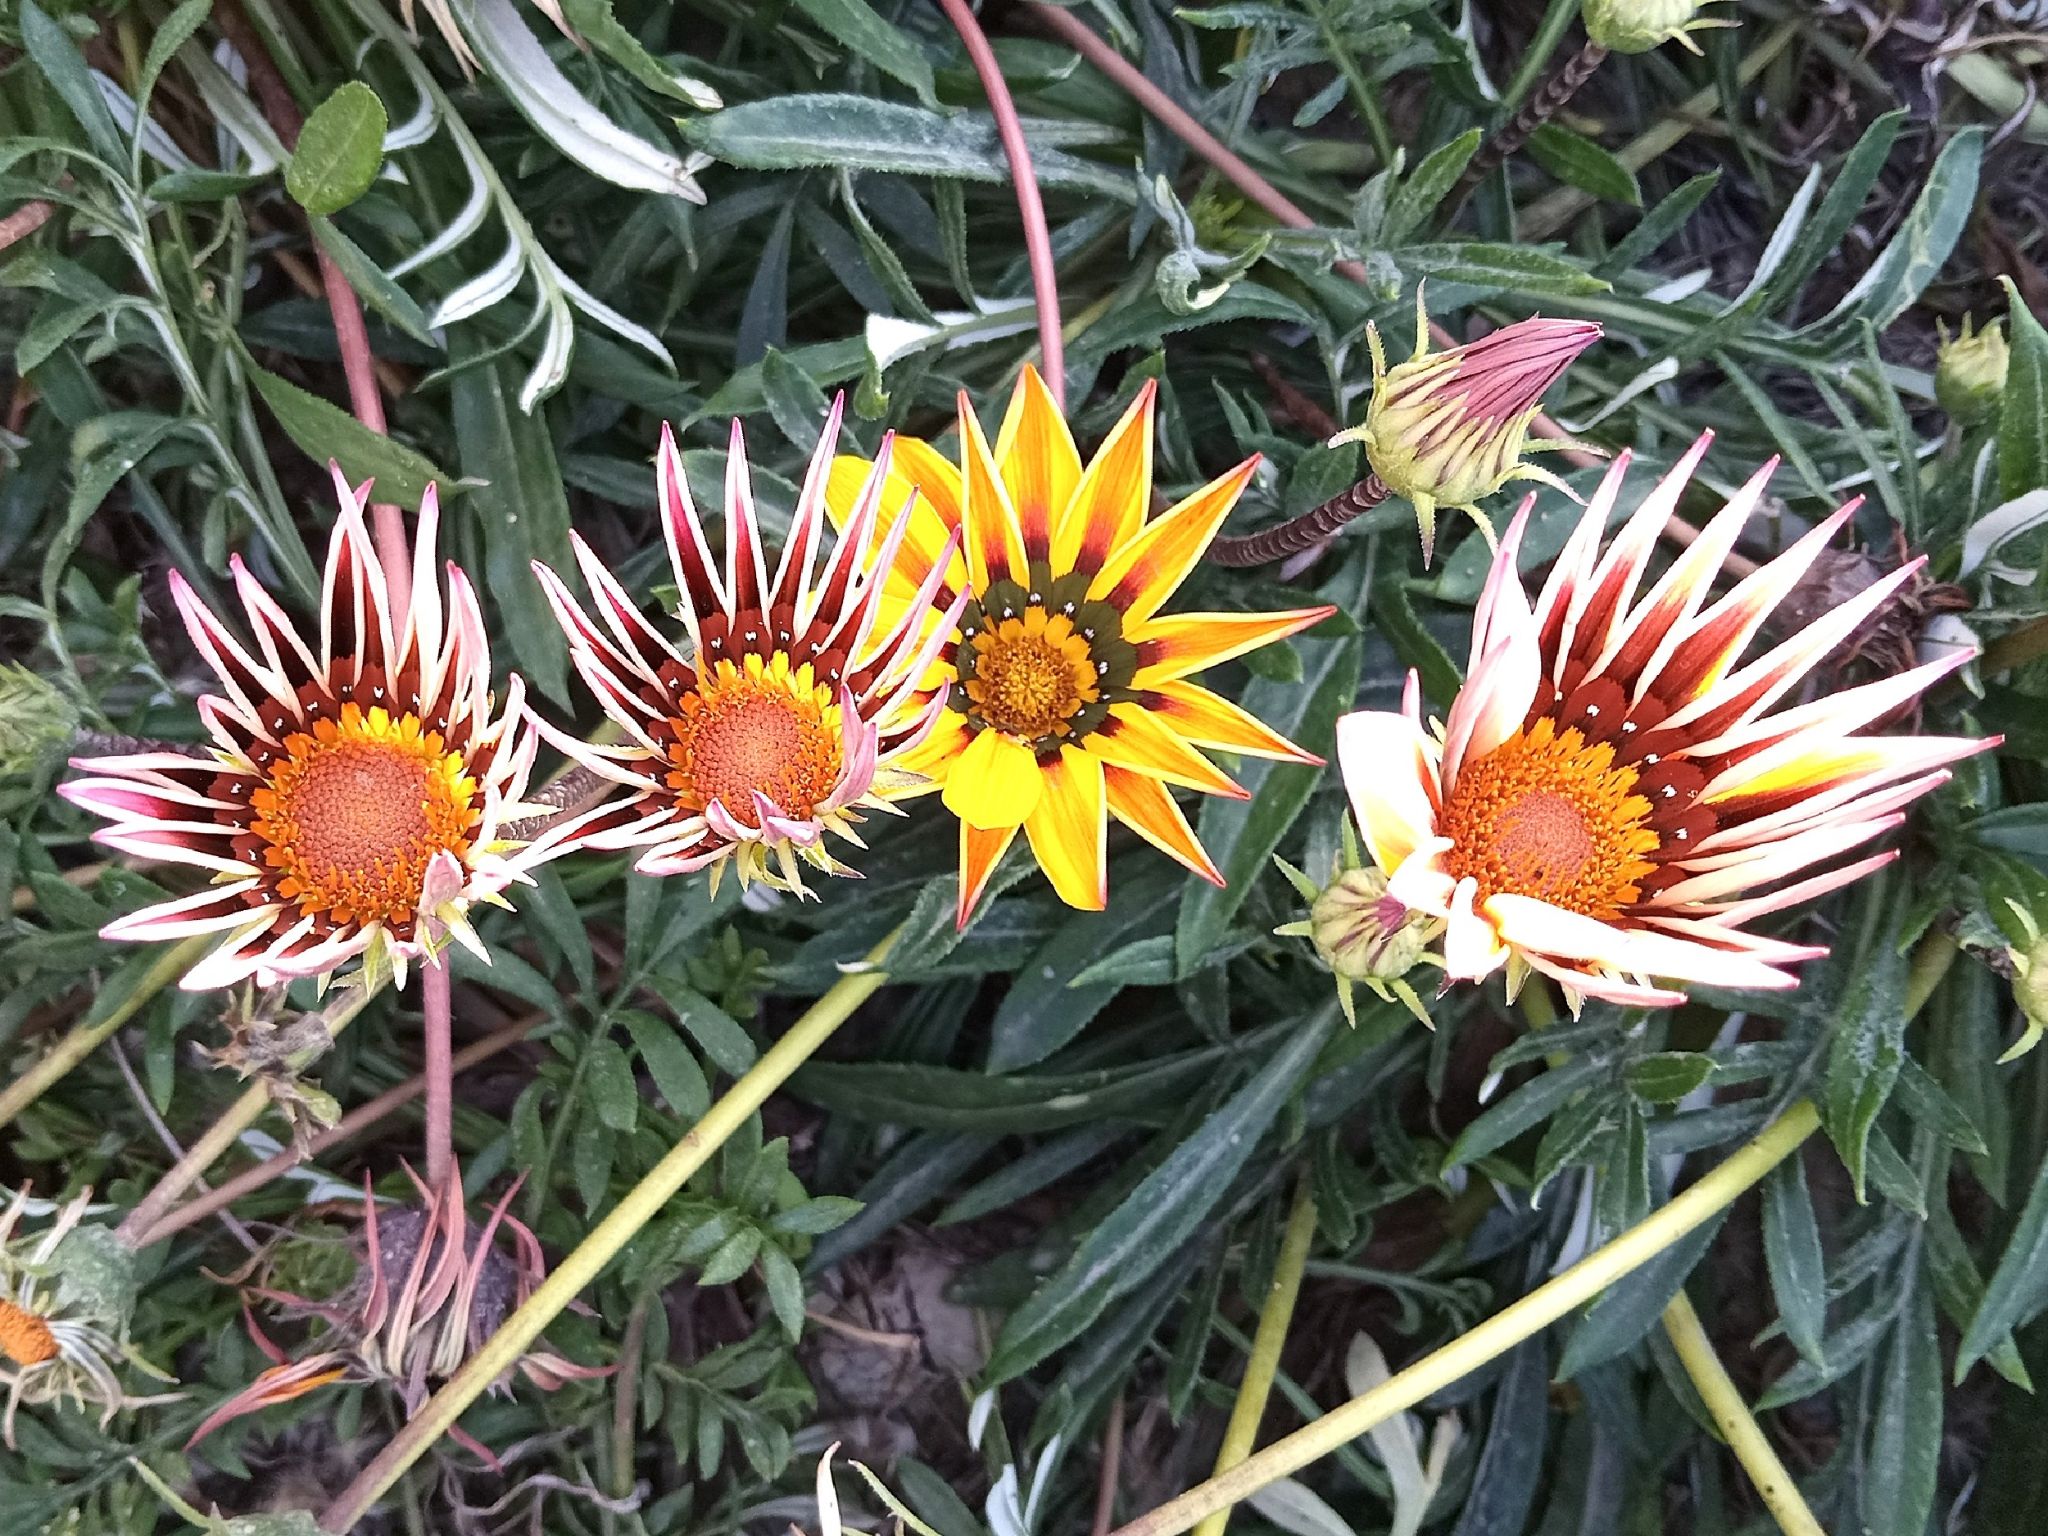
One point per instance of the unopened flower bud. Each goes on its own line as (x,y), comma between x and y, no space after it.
(1363,933)
(36,723)
(1637,26)
(2030,991)
(1448,428)
(1969,373)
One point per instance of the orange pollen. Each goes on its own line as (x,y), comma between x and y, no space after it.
(355,811)
(1546,815)
(25,1338)
(757,727)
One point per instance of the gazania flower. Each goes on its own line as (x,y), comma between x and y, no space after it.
(785,710)
(1071,700)
(65,1298)
(1613,798)
(1450,428)
(353,799)
(423,1298)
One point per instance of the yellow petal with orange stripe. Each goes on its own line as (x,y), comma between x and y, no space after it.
(918,478)
(1108,507)
(980,852)
(1143,573)
(995,547)
(1143,805)
(1210,720)
(1069,829)
(1134,739)
(1038,460)
(1173,647)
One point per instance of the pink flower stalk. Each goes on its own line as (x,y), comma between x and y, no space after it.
(1612,799)
(780,715)
(354,795)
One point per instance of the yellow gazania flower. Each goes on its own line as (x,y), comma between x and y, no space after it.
(1070,700)
(1613,798)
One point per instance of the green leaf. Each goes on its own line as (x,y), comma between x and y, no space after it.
(1668,1076)
(677,1077)
(608,1079)
(789,133)
(1848,190)
(2014,1292)
(1792,1252)
(1161,1215)
(1510,1467)
(854,23)
(733,1258)
(2023,408)
(595,22)
(710,1025)
(323,431)
(1868,1044)
(1242,834)
(338,151)
(1904,1459)
(1579,162)
(816,1216)
(1042,1011)
(1526,1107)
(1630,1307)
(368,280)
(1420,195)
(57,56)
(785,1289)
(172,34)
(590,1161)
(1924,238)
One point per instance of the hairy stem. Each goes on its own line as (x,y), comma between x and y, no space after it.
(639,1206)
(439,1029)
(86,1036)
(1249,1410)
(1304,532)
(1030,207)
(1584,1281)
(1773,1483)
(1551,96)
(350,1125)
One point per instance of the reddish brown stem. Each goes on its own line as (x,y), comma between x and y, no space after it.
(435,988)
(358,364)
(352,1124)
(1304,532)
(1548,98)
(1030,207)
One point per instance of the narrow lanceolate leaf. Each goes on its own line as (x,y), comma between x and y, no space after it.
(855,23)
(1793,1254)
(1161,1214)
(324,431)
(2013,1293)
(1581,163)
(1863,1058)
(2023,410)
(338,151)
(1904,1455)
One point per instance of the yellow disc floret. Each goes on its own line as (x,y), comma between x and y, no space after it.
(354,811)
(1548,815)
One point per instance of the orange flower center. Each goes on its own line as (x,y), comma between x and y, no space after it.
(1547,815)
(1031,675)
(356,809)
(25,1338)
(757,727)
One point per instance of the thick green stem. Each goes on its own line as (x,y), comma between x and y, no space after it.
(1773,1483)
(640,1205)
(1250,1408)
(92,1031)
(1493,1338)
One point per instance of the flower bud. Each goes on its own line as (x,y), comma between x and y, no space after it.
(1364,934)
(2030,991)
(1637,26)
(36,723)
(1447,428)
(1969,373)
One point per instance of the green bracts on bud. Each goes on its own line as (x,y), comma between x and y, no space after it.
(1637,26)
(1969,372)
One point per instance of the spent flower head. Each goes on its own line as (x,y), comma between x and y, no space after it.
(67,1293)
(1450,428)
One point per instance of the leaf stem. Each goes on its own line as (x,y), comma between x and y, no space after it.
(92,1031)
(1249,1410)
(639,1206)
(1584,1281)
(1773,1483)
(439,1070)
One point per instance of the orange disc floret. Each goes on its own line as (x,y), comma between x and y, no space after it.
(354,811)
(760,726)
(25,1338)
(1032,675)
(1550,816)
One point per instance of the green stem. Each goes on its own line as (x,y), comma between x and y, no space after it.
(92,1031)
(1773,1483)
(1363,101)
(1583,1282)
(1548,35)
(640,1205)
(1250,1408)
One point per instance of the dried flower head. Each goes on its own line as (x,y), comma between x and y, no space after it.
(66,1295)
(354,798)
(1450,428)
(422,1297)
(1612,800)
